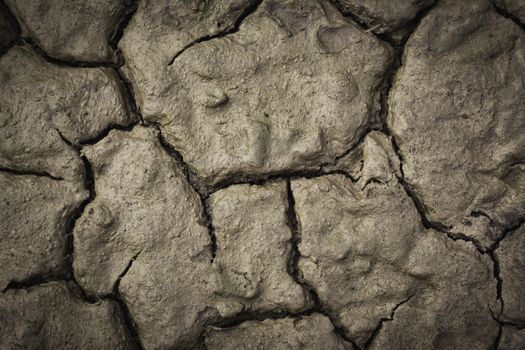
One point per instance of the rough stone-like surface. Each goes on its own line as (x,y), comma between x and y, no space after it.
(262,174)
(34,213)
(50,316)
(41,104)
(295,87)
(512,338)
(511,257)
(456,110)
(314,332)
(365,251)
(515,8)
(385,15)
(74,30)
(144,208)
(253,249)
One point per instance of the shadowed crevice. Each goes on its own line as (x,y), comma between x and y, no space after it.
(383,320)
(17,172)
(251,8)
(503,12)
(131,7)
(116,286)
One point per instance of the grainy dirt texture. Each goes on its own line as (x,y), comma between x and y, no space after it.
(262,174)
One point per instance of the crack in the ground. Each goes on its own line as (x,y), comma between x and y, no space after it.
(129,323)
(116,285)
(250,9)
(29,173)
(61,62)
(195,184)
(499,281)
(386,37)
(34,281)
(247,316)
(503,12)
(105,132)
(209,225)
(497,340)
(77,213)
(491,252)
(127,89)
(510,229)
(131,7)
(385,319)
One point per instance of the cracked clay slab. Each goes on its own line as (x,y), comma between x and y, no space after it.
(456,111)
(74,30)
(43,107)
(144,236)
(366,253)
(50,316)
(34,214)
(293,88)
(314,332)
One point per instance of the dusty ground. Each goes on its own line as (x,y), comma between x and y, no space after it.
(275,174)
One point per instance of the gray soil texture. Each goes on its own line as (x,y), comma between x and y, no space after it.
(262,174)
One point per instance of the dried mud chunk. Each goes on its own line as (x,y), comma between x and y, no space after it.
(295,87)
(365,251)
(147,218)
(512,338)
(511,257)
(253,249)
(50,316)
(313,332)
(456,111)
(70,29)
(41,104)
(34,214)
(385,15)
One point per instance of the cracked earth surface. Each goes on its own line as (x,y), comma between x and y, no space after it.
(262,174)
